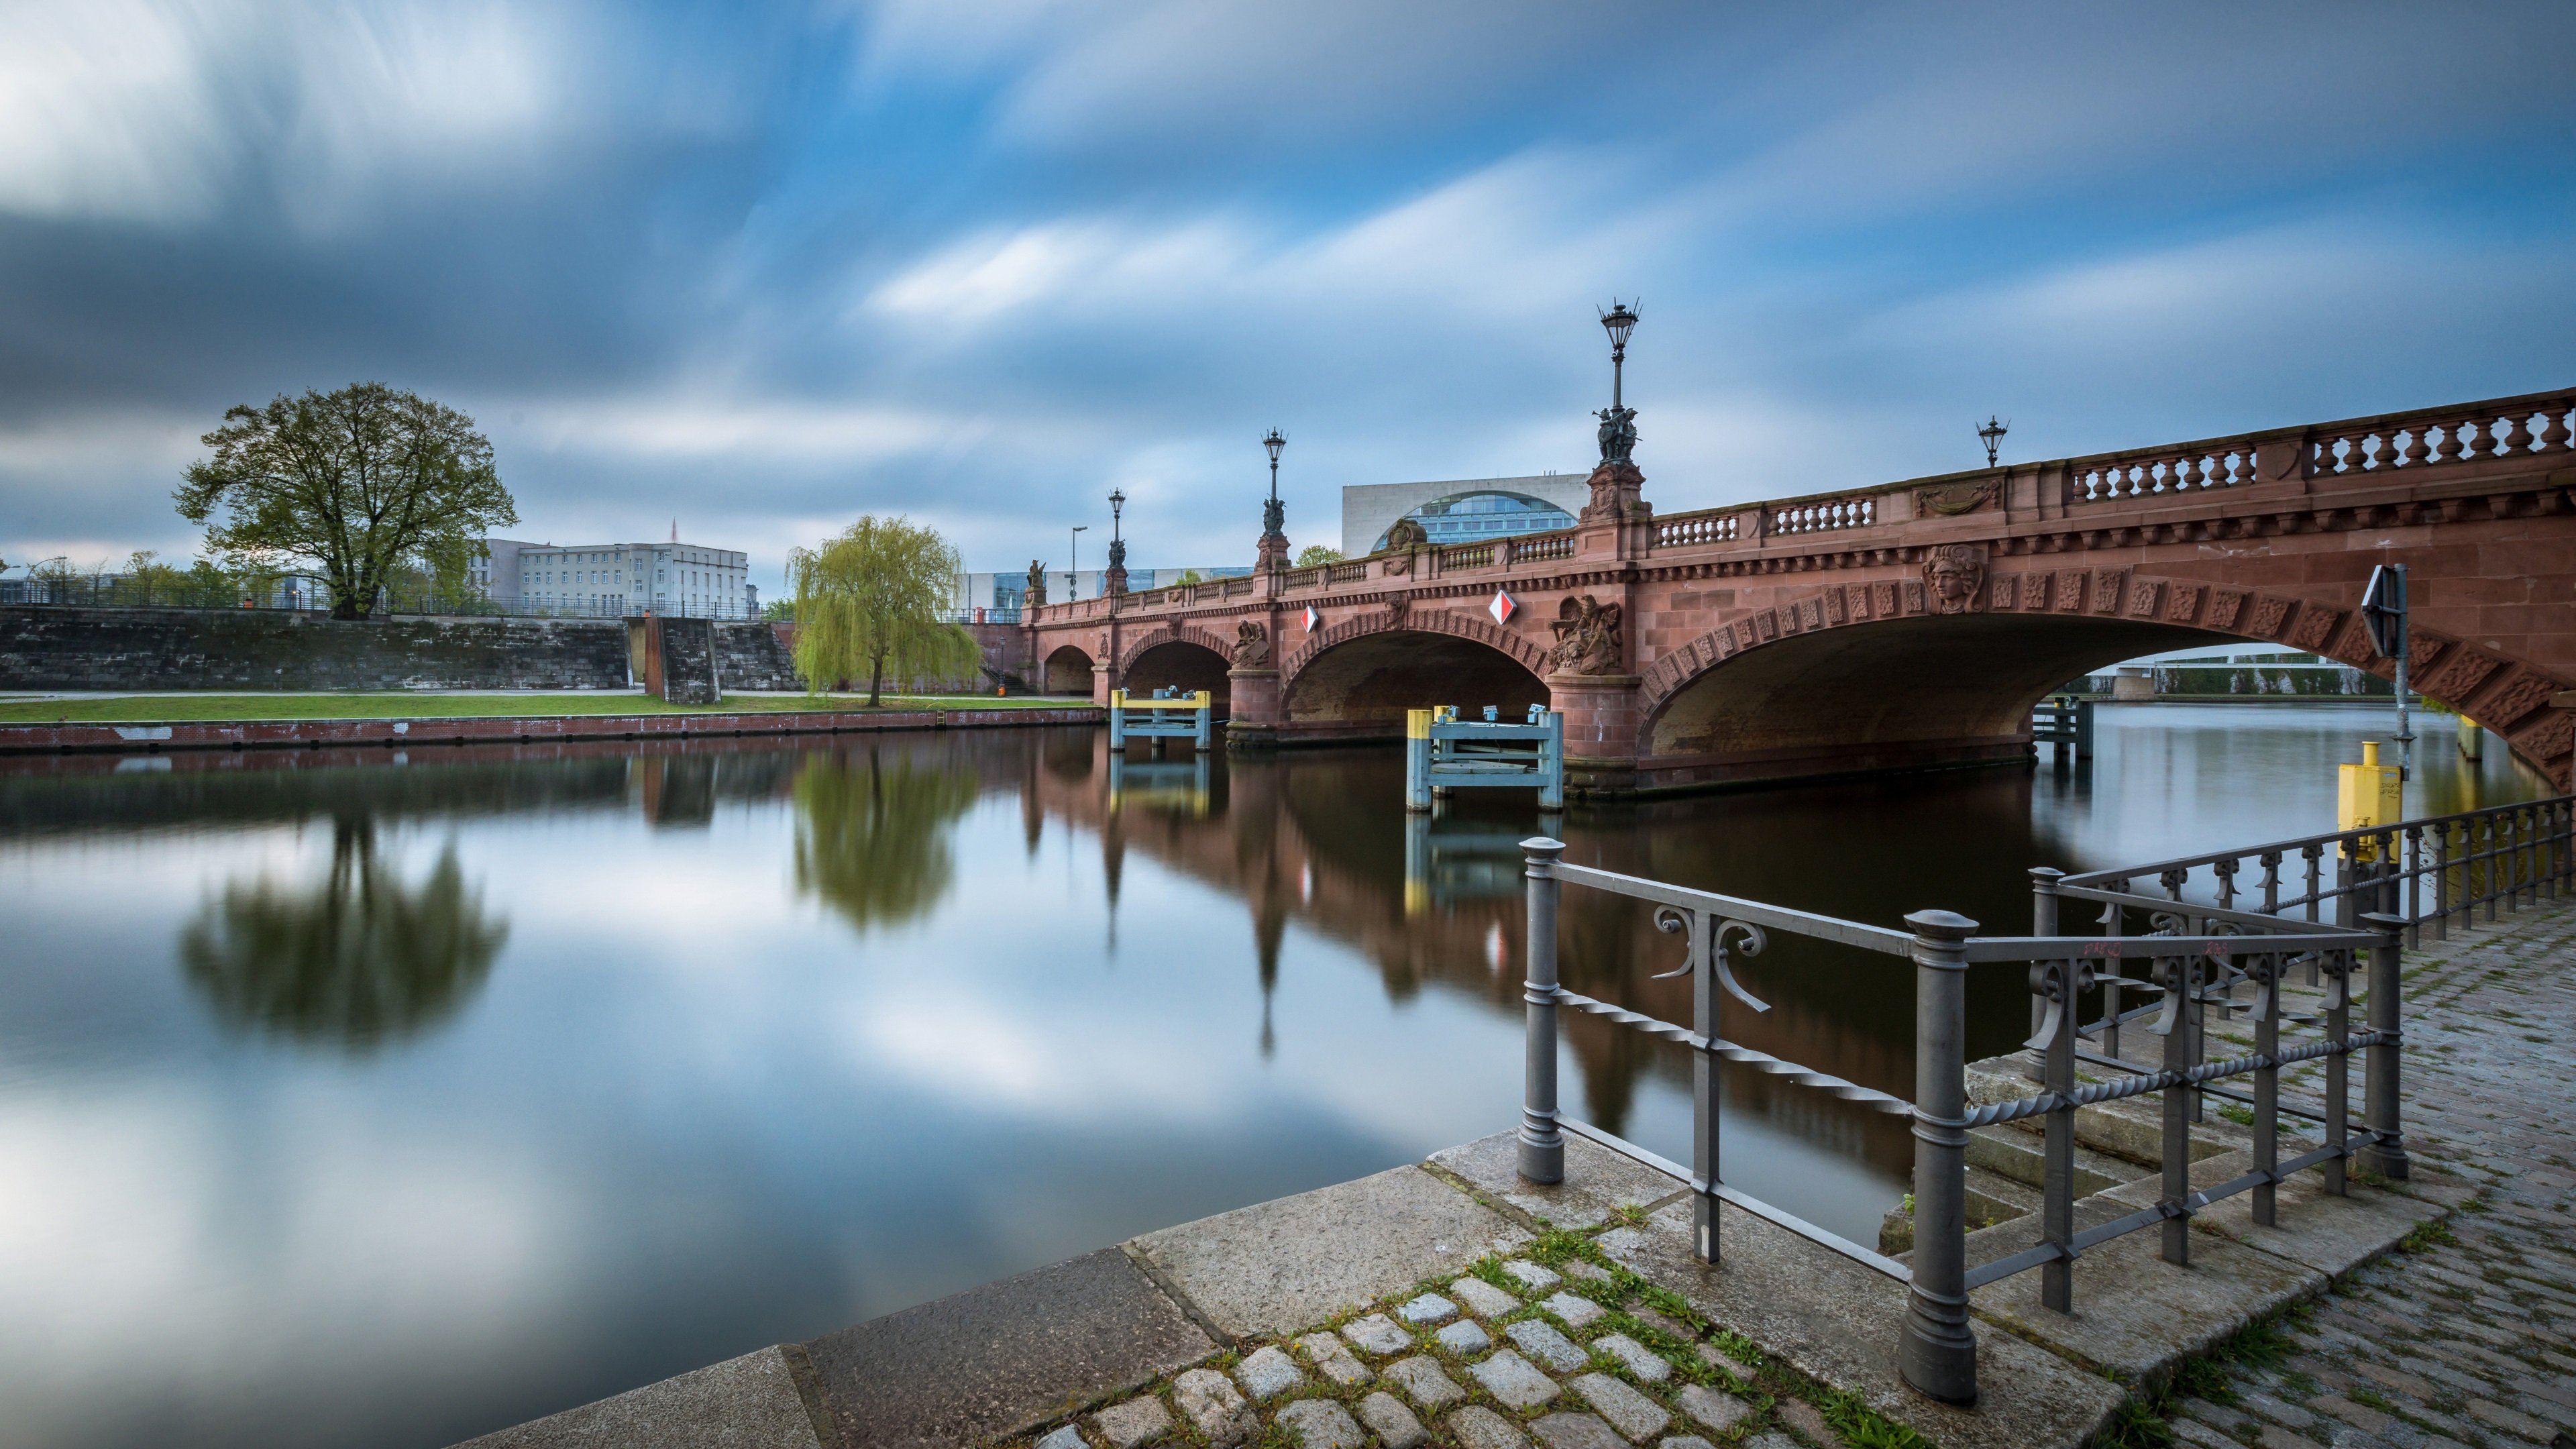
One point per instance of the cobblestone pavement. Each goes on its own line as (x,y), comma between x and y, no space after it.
(1559,1348)
(2469,1336)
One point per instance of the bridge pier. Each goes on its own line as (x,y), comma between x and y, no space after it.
(1254,723)
(1601,719)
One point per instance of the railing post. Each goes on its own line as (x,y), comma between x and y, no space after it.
(2064,983)
(1206,722)
(1117,720)
(1542,1146)
(2182,986)
(1935,1351)
(2043,922)
(2267,1084)
(2386,1153)
(2338,970)
(1706,1087)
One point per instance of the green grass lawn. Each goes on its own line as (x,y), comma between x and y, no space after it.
(397,704)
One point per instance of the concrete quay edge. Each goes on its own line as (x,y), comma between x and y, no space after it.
(150,737)
(1002,1360)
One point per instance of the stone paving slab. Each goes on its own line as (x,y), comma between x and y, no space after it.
(1596,1179)
(2137,1315)
(995,1360)
(1834,1320)
(1276,1267)
(746,1403)
(2312,1227)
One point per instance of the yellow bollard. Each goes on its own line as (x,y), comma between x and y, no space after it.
(2366,795)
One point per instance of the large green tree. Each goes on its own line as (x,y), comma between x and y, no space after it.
(868,603)
(358,485)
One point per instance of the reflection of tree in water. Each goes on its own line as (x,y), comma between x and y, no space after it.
(872,834)
(360,959)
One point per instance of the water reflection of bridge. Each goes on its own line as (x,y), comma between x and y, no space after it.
(1322,840)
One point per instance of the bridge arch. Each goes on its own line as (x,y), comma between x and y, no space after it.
(1361,675)
(1881,668)
(1066,671)
(1183,658)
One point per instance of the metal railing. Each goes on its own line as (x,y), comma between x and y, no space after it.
(2197,957)
(2432,871)
(116,592)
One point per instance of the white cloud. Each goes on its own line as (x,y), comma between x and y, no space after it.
(149,110)
(108,111)
(699,428)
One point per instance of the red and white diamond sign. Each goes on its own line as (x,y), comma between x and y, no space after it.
(1503,607)
(1312,618)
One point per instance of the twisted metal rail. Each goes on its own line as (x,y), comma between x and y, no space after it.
(2140,1085)
(1725,1050)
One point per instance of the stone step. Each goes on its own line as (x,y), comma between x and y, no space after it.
(2130,1129)
(2021,1157)
(1992,1198)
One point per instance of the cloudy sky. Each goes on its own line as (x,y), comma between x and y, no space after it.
(760,269)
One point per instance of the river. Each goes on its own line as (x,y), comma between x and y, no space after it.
(392,1098)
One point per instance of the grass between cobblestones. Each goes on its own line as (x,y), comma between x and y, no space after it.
(405,704)
(1781,1408)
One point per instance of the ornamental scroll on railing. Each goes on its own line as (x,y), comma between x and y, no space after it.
(2196,959)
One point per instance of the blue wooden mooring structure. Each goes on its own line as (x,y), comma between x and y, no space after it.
(1444,752)
(1168,714)
(2067,723)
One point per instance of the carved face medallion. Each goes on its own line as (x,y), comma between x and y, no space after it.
(1953,574)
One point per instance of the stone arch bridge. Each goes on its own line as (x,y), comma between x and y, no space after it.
(1909,625)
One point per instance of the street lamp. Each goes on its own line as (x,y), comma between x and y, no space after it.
(1274,517)
(1619,321)
(1115,580)
(1992,435)
(1618,421)
(1073,576)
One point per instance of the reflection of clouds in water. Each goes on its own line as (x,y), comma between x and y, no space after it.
(355,960)
(133,1231)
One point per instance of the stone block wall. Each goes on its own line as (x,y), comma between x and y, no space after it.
(44,647)
(688,660)
(755,656)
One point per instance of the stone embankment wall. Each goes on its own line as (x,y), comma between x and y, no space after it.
(1005,658)
(756,656)
(44,647)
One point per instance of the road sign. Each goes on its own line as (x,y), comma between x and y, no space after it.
(2383,609)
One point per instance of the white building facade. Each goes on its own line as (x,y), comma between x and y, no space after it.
(615,579)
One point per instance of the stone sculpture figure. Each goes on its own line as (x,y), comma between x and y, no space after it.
(1618,435)
(1037,584)
(1406,533)
(1953,575)
(1251,645)
(1587,637)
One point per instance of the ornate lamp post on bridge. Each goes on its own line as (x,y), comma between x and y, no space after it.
(1273,553)
(1992,435)
(1113,580)
(1616,481)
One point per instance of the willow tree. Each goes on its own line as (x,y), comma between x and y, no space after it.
(868,603)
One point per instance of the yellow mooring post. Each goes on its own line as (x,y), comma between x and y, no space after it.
(2366,795)
(1417,761)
